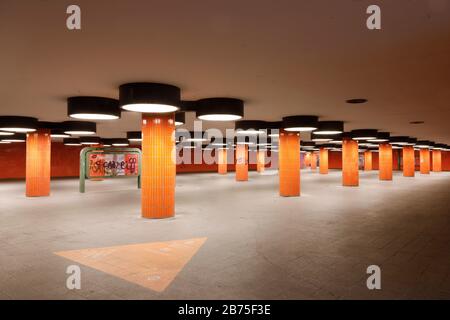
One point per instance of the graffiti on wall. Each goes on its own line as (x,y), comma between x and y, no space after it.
(113,164)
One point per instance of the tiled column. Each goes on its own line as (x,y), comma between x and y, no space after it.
(289,164)
(222,161)
(368,160)
(437,163)
(385,161)
(38,152)
(313,161)
(350,173)
(308,159)
(408,161)
(241,162)
(158,166)
(260,160)
(323,161)
(425,161)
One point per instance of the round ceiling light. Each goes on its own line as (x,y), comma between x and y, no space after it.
(329,127)
(5,133)
(400,140)
(423,144)
(149,97)
(79,127)
(18,124)
(381,137)
(220,109)
(93,108)
(119,142)
(195,136)
(107,142)
(56,129)
(364,134)
(300,123)
(274,128)
(250,127)
(72,142)
(90,140)
(134,135)
(180,118)
(16,137)
(307,145)
(321,137)
(356,101)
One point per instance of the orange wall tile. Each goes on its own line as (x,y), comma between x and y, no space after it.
(367,160)
(350,163)
(323,161)
(241,162)
(408,161)
(38,163)
(385,161)
(424,161)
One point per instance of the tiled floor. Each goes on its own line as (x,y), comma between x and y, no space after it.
(258,245)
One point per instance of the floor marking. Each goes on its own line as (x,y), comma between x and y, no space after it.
(151,265)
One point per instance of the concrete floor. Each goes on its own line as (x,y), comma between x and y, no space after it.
(259,245)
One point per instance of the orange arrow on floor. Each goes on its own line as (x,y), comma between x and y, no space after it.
(152,265)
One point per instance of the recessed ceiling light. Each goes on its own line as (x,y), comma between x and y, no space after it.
(356,100)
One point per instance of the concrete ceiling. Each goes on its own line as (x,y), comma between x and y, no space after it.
(281,57)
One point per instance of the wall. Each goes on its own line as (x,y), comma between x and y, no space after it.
(65,162)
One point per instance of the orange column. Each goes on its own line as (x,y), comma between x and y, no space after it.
(222,161)
(350,173)
(408,161)
(323,161)
(437,163)
(385,161)
(241,162)
(367,160)
(425,161)
(260,160)
(289,164)
(38,163)
(158,166)
(313,161)
(308,159)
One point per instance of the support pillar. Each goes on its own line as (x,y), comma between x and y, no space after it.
(158,166)
(437,163)
(308,159)
(222,161)
(385,162)
(289,164)
(350,165)
(241,162)
(260,161)
(425,161)
(313,161)
(323,161)
(368,160)
(38,153)
(408,161)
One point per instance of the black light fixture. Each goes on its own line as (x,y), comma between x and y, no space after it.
(321,137)
(439,146)
(16,137)
(90,140)
(300,123)
(274,128)
(79,127)
(356,100)
(134,135)
(195,136)
(400,140)
(307,145)
(364,134)
(423,144)
(107,142)
(56,129)
(93,108)
(72,142)
(180,118)
(250,127)
(381,137)
(18,124)
(119,142)
(329,127)
(149,97)
(6,133)
(220,109)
